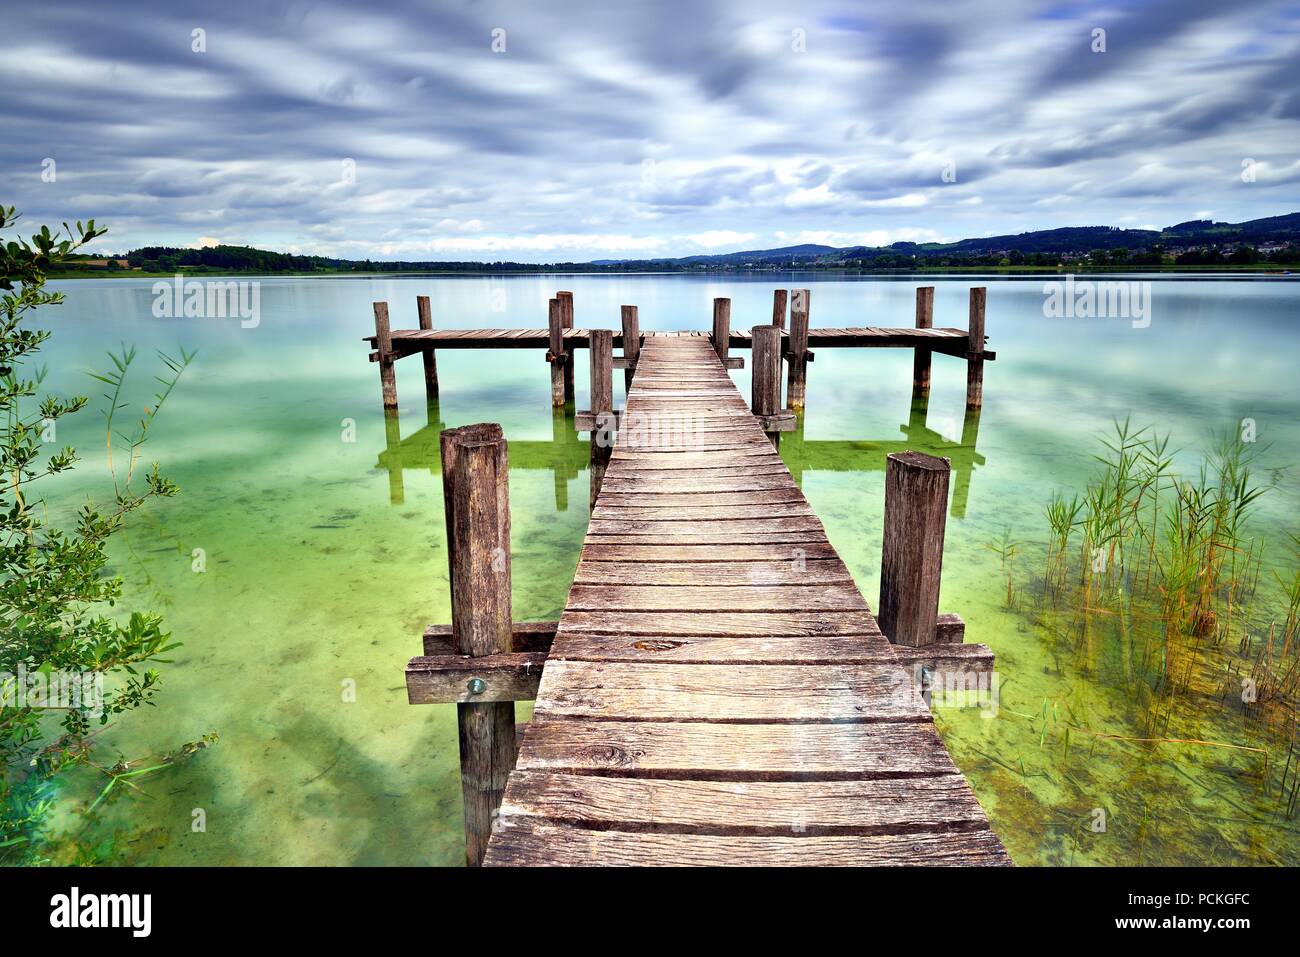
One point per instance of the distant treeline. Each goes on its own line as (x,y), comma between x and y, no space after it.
(1200,242)
(244,259)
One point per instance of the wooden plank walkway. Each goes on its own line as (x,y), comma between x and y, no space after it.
(410,341)
(718,691)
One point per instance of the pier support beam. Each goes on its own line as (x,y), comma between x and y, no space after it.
(911,564)
(631,343)
(765,380)
(797,354)
(602,406)
(722,329)
(921,360)
(477,503)
(555,354)
(778,308)
(975,349)
(566,321)
(430,358)
(384,346)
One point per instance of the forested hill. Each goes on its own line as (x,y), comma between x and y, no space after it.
(1275,239)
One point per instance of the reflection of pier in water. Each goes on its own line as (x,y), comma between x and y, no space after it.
(567,456)
(867,455)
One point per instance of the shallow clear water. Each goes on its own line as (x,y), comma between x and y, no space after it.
(325,558)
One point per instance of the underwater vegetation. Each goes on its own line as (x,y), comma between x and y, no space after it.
(1158,582)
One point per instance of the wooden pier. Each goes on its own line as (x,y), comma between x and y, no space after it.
(717,690)
(560,339)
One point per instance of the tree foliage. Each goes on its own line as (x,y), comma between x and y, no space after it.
(55,593)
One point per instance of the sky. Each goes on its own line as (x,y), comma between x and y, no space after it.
(551,131)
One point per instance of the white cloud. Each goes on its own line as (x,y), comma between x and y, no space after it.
(720,238)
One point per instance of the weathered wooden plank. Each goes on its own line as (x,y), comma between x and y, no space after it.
(703,468)
(793,537)
(759,460)
(661,482)
(869,691)
(624,527)
(744,649)
(560,845)
(710,597)
(722,623)
(785,808)
(652,498)
(602,551)
(686,574)
(693,513)
(754,752)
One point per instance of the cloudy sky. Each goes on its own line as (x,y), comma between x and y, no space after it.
(550,130)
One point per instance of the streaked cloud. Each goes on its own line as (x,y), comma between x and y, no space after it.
(656,128)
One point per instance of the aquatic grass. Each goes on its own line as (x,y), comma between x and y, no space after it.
(1006,549)
(1158,575)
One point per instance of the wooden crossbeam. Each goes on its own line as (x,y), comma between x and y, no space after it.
(461,679)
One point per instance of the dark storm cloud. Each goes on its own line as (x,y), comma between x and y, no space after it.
(395,130)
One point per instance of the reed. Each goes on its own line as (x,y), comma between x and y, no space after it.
(1157,575)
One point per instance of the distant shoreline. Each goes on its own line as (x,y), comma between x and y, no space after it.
(1276,269)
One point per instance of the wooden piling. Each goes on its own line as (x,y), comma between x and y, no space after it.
(975,349)
(722,328)
(778,308)
(477,505)
(555,322)
(566,320)
(631,343)
(922,357)
(384,346)
(916,501)
(430,358)
(797,350)
(765,380)
(602,404)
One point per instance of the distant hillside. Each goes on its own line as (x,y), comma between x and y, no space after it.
(1198,242)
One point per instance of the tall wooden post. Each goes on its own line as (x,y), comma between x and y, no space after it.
(722,328)
(916,500)
(975,349)
(566,320)
(631,343)
(602,406)
(797,352)
(430,360)
(778,308)
(922,357)
(765,381)
(556,356)
(476,498)
(384,346)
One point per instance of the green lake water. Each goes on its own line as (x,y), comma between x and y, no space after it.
(325,557)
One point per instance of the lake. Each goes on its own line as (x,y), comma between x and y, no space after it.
(323,545)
